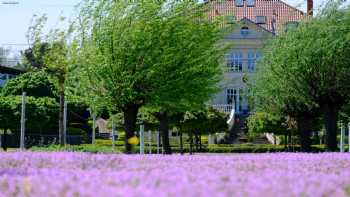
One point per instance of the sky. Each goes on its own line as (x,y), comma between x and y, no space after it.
(15,19)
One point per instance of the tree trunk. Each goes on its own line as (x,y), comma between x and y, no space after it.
(330,113)
(285,141)
(303,125)
(61,112)
(4,142)
(290,141)
(130,117)
(196,141)
(164,130)
(191,142)
(181,144)
(200,141)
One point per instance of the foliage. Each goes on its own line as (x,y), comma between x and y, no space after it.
(262,122)
(57,58)
(147,53)
(40,112)
(207,120)
(144,55)
(41,115)
(33,58)
(305,70)
(36,84)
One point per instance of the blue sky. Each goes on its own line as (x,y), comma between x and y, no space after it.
(15,19)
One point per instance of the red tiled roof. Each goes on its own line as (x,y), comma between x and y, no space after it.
(282,12)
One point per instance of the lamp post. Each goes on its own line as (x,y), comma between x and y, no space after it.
(23,121)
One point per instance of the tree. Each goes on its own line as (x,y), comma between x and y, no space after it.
(309,67)
(56,58)
(148,53)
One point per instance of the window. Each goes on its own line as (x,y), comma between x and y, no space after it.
(250,2)
(253,57)
(235,61)
(244,31)
(239,2)
(261,19)
(232,98)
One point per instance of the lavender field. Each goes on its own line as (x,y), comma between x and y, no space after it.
(79,174)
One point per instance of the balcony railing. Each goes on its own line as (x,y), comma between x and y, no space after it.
(226,108)
(223,108)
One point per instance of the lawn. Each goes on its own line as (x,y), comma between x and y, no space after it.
(85,174)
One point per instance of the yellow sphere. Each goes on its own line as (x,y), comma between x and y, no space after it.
(133,140)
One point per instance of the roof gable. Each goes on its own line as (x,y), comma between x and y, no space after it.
(254,31)
(273,10)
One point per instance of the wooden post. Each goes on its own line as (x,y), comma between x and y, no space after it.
(23,120)
(65,123)
(113,134)
(150,141)
(158,141)
(93,128)
(342,135)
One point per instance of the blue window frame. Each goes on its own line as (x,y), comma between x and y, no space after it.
(235,61)
(239,3)
(250,2)
(244,31)
(253,57)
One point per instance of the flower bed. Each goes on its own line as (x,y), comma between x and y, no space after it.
(83,174)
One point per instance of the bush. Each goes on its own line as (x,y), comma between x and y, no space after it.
(103,146)
(262,122)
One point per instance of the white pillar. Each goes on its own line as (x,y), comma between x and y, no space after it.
(23,120)
(65,123)
(93,128)
(210,139)
(342,134)
(238,100)
(158,141)
(142,139)
(113,133)
(150,141)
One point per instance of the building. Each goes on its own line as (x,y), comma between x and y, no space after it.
(259,21)
(8,61)
(7,73)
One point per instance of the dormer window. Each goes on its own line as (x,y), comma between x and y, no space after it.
(244,31)
(239,3)
(250,2)
(260,19)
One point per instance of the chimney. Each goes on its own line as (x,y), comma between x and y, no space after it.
(310,7)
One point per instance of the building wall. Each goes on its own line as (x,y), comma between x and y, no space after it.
(246,48)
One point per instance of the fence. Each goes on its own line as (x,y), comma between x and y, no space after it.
(13,140)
